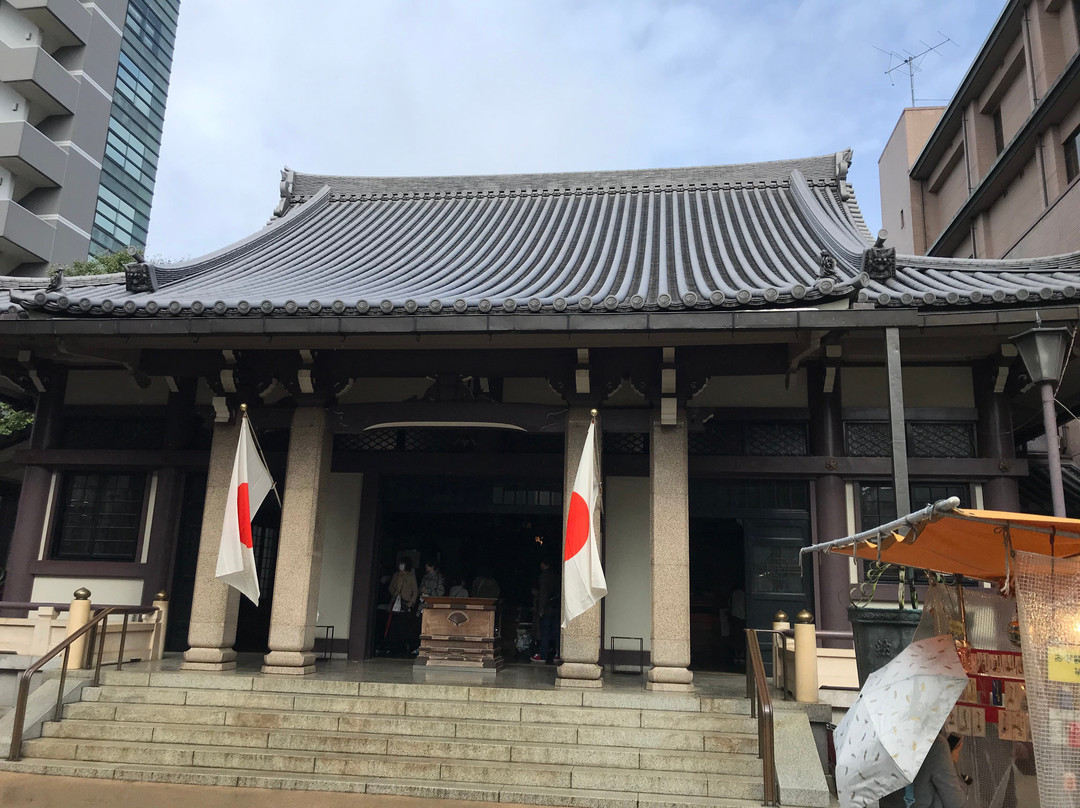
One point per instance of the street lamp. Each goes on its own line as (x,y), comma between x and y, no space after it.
(1043,351)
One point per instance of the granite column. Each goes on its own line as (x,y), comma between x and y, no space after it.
(580,640)
(214,605)
(300,547)
(669,525)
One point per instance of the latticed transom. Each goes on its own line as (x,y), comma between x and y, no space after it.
(626,443)
(755,439)
(937,439)
(925,439)
(868,439)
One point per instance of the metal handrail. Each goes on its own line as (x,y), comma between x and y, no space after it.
(757,690)
(100,617)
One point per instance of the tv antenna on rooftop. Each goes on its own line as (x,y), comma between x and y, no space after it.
(911,62)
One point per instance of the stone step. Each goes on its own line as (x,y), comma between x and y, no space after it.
(383,744)
(535,723)
(407,787)
(613,700)
(495,773)
(712,722)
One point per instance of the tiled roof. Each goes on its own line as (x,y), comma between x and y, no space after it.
(785,233)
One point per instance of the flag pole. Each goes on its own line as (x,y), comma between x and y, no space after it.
(258,448)
(596,465)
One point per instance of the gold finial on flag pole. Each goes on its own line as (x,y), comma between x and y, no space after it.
(243,408)
(593,413)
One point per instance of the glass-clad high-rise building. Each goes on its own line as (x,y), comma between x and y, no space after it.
(129,168)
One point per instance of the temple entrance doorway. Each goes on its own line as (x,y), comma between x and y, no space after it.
(470,527)
(745,538)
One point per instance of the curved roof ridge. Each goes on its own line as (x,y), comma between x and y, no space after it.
(170,272)
(821,167)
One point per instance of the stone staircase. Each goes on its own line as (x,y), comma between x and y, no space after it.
(608,749)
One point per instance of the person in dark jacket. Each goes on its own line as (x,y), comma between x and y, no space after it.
(937,785)
(548,600)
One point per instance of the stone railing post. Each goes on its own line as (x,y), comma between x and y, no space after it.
(806,678)
(41,641)
(160,619)
(78,616)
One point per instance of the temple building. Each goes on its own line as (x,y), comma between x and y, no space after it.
(419,357)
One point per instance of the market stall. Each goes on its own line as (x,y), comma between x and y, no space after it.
(1017,636)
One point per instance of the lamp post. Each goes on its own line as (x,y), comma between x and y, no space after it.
(1043,352)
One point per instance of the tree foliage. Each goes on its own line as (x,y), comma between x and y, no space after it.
(103,264)
(13,420)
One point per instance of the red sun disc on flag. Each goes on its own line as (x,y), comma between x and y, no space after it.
(243,513)
(577,526)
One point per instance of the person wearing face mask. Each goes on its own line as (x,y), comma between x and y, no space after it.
(403,596)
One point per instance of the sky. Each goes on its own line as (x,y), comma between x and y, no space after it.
(426,87)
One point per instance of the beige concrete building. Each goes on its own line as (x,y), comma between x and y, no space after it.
(82,103)
(994,174)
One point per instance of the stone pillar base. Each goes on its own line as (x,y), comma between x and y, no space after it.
(294,662)
(670,678)
(579,674)
(209,659)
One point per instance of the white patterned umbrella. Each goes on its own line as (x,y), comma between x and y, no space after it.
(883,740)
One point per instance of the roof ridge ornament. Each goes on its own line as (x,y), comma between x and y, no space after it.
(879,261)
(285,187)
(843,163)
(139,276)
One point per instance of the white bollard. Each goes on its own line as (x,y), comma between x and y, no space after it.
(78,616)
(806,678)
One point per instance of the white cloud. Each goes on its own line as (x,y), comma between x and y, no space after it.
(414,87)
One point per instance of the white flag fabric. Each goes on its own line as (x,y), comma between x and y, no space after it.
(583,578)
(250,484)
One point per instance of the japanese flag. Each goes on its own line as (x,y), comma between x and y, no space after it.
(583,579)
(250,484)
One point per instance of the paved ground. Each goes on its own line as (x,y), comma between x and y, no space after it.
(40,791)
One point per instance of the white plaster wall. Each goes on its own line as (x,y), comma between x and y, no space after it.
(366,390)
(628,605)
(113,387)
(753,391)
(923,387)
(114,591)
(339,552)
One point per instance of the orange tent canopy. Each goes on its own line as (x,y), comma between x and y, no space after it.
(973,543)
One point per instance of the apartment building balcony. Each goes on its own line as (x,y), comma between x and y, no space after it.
(64,22)
(40,79)
(24,237)
(35,160)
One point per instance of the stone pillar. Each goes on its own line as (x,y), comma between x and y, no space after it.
(995,439)
(830,502)
(580,641)
(214,605)
(669,526)
(34,496)
(300,547)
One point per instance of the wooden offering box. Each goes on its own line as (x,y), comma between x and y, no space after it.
(458,633)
